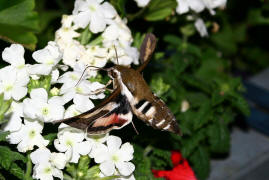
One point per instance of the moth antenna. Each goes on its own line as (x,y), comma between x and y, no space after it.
(97,68)
(116,54)
(135,128)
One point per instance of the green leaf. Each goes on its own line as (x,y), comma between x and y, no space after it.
(71,169)
(4,106)
(219,137)
(172,39)
(159,9)
(93,172)
(50,137)
(142,164)
(83,166)
(3,135)
(120,6)
(16,171)
(203,116)
(18,22)
(200,160)
(158,86)
(7,157)
(85,36)
(240,103)
(191,143)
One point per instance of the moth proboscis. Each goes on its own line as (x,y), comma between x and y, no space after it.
(131,95)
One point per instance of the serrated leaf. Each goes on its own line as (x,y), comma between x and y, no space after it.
(190,144)
(16,171)
(19,22)
(7,157)
(200,160)
(219,138)
(239,102)
(203,116)
(159,9)
(3,135)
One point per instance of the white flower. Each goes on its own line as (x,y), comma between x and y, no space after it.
(39,107)
(13,115)
(15,56)
(72,51)
(94,13)
(198,5)
(142,3)
(72,88)
(114,155)
(47,164)
(94,56)
(184,6)
(96,141)
(28,136)
(47,57)
(201,28)
(11,84)
(185,106)
(72,139)
(117,30)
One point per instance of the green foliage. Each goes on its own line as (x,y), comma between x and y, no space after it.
(8,161)
(83,171)
(42,82)
(4,106)
(159,9)
(19,22)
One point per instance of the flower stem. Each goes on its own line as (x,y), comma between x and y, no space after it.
(28,167)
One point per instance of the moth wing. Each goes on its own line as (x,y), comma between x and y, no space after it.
(113,113)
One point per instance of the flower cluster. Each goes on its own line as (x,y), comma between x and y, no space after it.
(49,90)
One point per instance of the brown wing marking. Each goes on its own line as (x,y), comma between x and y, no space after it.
(146,50)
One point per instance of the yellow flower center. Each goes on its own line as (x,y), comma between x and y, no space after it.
(8,87)
(45,111)
(32,134)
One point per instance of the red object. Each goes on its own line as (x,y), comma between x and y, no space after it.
(181,170)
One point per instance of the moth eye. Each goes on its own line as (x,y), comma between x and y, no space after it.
(113,74)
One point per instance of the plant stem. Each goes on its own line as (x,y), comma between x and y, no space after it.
(28,167)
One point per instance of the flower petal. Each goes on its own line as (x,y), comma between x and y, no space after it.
(108,168)
(113,143)
(125,168)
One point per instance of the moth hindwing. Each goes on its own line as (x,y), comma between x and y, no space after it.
(131,96)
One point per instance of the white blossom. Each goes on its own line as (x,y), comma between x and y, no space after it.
(15,56)
(47,164)
(13,115)
(28,136)
(94,13)
(12,85)
(142,3)
(201,28)
(198,5)
(72,139)
(47,57)
(39,107)
(114,156)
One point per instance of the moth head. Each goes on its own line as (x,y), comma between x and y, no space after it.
(113,72)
